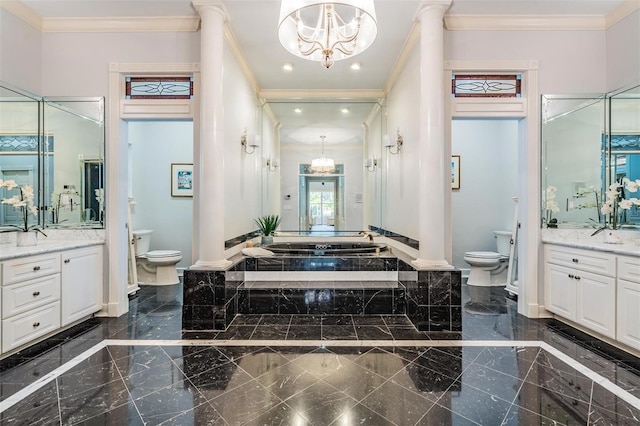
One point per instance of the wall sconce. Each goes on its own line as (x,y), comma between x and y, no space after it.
(249,147)
(371,164)
(389,145)
(272,165)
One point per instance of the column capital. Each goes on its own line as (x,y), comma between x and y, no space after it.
(218,5)
(430,4)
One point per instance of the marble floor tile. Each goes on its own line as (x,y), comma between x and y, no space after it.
(319,370)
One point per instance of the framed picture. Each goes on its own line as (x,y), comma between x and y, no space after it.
(181,180)
(455,172)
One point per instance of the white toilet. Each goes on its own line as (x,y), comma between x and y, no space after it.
(488,268)
(156,267)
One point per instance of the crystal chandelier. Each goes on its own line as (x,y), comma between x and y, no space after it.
(325,31)
(322,164)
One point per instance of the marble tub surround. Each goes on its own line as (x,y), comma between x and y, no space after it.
(322,298)
(389,285)
(583,238)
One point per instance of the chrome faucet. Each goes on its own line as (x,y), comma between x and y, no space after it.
(367,235)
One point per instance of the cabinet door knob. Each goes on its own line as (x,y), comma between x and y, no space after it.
(36,293)
(570,275)
(36,268)
(67,260)
(574,260)
(577,277)
(36,324)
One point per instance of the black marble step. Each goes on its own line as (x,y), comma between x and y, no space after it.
(368,262)
(321,297)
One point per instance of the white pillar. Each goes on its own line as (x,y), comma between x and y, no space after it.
(211,156)
(432,185)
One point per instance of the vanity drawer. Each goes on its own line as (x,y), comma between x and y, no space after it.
(584,260)
(21,297)
(629,268)
(30,267)
(23,328)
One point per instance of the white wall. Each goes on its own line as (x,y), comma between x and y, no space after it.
(154,146)
(402,171)
(270,175)
(20,53)
(242,171)
(488,152)
(569,61)
(77,64)
(373,178)
(623,52)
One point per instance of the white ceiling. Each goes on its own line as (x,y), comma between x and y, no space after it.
(254,25)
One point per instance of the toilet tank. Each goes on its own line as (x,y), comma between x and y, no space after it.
(142,240)
(503,242)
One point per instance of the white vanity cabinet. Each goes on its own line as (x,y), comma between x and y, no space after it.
(580,285)
(628,314)
(81,283)
(30,299)
(41,294)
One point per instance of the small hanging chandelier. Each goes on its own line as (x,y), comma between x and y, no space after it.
(325,31)
(322,164)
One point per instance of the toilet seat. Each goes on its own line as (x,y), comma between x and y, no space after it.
(487,255)
(162,253)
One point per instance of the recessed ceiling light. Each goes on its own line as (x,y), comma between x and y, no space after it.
(297,110)
(287,67)
(355,66)
(344,110)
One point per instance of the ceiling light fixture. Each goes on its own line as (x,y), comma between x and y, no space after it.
(297,110)
(322,164)
(325,31)
(355,66)
(287,67)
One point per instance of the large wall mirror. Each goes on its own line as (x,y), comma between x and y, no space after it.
(588,143)
(55,145)
(345,197)
(20,135)
(74,166)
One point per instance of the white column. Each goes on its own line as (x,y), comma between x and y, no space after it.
(433,185)
(211,155)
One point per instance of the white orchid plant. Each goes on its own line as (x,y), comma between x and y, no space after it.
(23,202)
(617,204)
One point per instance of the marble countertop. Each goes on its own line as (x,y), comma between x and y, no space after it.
(582,238)
(11,251)
(56,240)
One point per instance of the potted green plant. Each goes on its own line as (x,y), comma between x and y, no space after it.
(268,225)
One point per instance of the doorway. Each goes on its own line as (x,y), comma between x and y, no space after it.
(321,203)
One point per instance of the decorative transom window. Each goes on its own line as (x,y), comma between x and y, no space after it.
(159,87)
(486,86)
(20,144)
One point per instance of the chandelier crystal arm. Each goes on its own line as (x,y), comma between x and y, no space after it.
(317,30)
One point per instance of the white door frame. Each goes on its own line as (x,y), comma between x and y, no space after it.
(527,109)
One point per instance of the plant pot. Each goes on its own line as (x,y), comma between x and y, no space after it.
(267,240)
(612,236)
(26,239)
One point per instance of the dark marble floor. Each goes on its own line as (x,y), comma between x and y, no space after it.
(340,370)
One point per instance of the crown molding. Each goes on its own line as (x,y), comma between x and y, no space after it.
(121,24)
(403,57)
(232,42)
(622,11)
(23,12)
(333,94)
(524,22)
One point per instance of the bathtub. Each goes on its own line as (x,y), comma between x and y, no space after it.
(326,248)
